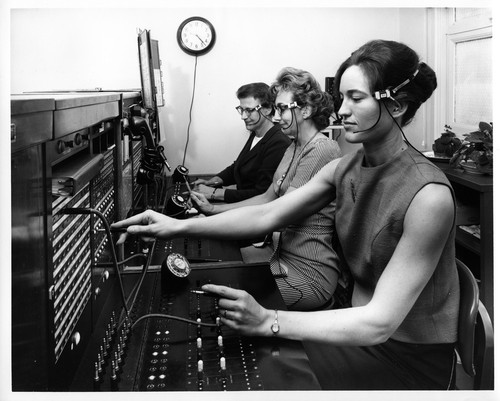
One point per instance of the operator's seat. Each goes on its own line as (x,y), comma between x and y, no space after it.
(475,332)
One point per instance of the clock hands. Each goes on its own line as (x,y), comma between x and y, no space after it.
(201,40)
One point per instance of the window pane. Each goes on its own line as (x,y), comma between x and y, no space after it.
(473,92)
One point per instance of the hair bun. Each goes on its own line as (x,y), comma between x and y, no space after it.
(426,81)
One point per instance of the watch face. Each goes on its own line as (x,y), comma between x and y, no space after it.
(196,36)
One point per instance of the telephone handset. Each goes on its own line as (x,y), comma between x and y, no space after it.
(177,205)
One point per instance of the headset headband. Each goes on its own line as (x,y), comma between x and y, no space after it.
(388,93)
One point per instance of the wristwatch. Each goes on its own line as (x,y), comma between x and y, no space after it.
(275,327)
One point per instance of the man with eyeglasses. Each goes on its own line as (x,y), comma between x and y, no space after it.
(252,171)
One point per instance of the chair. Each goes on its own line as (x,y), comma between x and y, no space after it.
(475,332)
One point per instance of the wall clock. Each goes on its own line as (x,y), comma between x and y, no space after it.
(196,36)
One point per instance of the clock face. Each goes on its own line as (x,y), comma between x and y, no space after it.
(196,36)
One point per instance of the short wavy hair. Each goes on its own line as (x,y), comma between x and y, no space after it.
(306,91)
(259,91)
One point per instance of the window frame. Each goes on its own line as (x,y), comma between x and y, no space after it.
(448,34)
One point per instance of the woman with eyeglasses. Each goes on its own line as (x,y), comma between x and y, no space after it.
(253,170)
(395,222)
(302,259)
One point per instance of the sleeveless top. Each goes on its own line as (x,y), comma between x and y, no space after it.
(371,207)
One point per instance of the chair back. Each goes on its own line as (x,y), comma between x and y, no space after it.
(469,304)
(475,344)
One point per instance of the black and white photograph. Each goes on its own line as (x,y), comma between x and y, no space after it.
(274,200)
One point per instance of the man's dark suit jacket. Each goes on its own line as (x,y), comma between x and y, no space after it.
(253,170)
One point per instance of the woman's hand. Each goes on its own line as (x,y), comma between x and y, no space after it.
(148,225)
(204,190)
(201,203)
(212,182)
(200,181)
(241,312)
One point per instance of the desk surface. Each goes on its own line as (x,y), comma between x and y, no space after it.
(481,183)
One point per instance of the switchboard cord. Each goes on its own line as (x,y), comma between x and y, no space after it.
(135,255)
(164,158)
(77,210)
(162,315)
(172,317)
(155,198)
(138,285)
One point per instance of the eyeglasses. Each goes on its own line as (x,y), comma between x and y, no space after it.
(281,108)
(242,110)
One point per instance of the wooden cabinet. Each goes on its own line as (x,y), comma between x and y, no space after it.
(474,194)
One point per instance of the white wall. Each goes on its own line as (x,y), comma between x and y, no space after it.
(54,49)
(414,30)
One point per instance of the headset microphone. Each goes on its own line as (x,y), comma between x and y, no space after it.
(376,122)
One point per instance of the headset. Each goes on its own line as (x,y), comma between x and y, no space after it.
(389,93)
(259,107)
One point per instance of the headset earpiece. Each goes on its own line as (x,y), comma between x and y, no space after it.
(389,93)
(385,94)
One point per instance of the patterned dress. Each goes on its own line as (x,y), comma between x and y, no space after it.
(304,263)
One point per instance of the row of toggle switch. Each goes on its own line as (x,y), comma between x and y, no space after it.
(209,358)
(220,347)
(111,351)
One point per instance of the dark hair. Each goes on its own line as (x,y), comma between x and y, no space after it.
(259,91)
(306,91)
(387,64)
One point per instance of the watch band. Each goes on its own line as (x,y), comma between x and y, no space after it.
(275,327)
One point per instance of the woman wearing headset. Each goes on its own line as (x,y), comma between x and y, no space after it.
(253,169)
(303,262)
(395,222)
